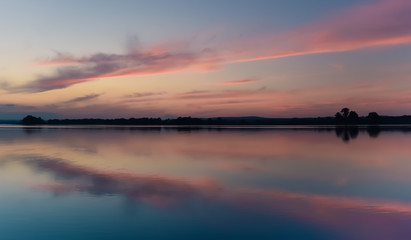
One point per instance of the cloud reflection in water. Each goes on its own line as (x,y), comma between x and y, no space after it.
(153,189)
(360,217)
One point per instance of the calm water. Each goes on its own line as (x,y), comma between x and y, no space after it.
(168,183)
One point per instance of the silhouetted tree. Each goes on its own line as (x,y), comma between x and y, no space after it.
(31,120)
(345,112)
(338,118)
(373,118)
(353,117)
(345,116)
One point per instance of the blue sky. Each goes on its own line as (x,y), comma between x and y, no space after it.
(204,58)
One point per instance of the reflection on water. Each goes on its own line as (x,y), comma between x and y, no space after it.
(205,183)
(347,133)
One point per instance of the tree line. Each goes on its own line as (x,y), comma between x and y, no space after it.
(343,117)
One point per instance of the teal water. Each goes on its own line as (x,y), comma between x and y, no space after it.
(204,183)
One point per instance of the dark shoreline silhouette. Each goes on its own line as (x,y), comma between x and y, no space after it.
(345,132)
(382,120)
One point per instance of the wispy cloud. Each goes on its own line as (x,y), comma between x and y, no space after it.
(11,107)
(269,102)
(144,94)
(237,82)
(83,98)
(137,62)
(220,95)
(387,22)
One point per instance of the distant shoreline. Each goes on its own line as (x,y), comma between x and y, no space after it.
(218,121)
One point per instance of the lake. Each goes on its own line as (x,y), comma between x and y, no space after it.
(295,182)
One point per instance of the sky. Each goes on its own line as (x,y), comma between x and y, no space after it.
(269,58)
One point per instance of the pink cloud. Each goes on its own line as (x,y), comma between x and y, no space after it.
(380,96)
(381,23)
(137,62)
(386,22)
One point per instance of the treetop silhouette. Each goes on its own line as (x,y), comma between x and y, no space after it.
(345,116)
(31,120)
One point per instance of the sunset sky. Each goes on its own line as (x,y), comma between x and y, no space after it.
(269,58)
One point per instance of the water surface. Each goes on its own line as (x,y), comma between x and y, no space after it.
(204,183)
